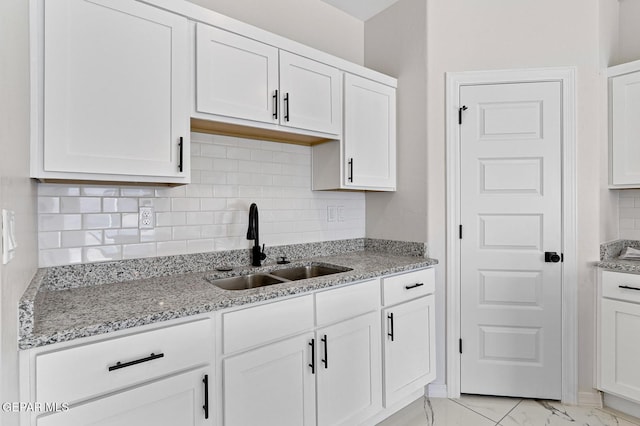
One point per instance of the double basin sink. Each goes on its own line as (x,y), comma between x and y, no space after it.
(278,276)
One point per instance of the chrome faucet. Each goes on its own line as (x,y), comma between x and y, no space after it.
(257,254)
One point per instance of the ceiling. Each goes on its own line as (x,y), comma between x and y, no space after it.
(361,9)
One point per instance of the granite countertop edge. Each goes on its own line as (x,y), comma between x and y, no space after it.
(57,325)
(609,257)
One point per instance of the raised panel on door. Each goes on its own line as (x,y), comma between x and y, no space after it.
(409,348)
(511,214)
(369,134)
(310,94)
(620,349)
(349,381)
(115,88)
(235,76)
(177,400)
(271,386)
(625,128)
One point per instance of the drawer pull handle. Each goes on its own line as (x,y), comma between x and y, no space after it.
(275,105)
(181,147)
(312,343)
(390,333)
(325,361)
(629,287)
(205,407)
(120,365)
(409,287)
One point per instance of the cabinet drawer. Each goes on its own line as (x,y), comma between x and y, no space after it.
(398,288)
(261,324)
(77,373)
(621,286)
(347,302)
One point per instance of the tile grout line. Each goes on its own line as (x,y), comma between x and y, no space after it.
(509,412)
(480,414)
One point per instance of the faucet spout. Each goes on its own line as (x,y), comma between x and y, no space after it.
(253,233)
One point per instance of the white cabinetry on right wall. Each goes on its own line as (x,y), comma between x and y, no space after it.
(624,126)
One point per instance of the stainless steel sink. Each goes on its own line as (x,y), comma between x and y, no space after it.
(244,282)
(304,272)
(278,276)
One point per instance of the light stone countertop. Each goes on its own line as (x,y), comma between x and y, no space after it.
(609,260)
(50,315)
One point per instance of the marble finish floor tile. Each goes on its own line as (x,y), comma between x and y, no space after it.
(436,412)
(475,410)
(553,413)
(492,407)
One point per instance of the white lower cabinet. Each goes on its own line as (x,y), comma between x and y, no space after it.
(160,376)
(177,400)
(409,335)
(349,371)
(271,385)
(619,349)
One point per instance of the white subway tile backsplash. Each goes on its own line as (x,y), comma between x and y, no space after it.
(81,238)
(59,222)
(49,240)
(97,191)
(48,205)
(132,251)
(120,205)
(171,248)
(121,236)
(101,221)
(80,205)
(91,223)
(101,254)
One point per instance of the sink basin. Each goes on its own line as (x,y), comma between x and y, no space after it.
(245,282)
(279,276)
(303,272)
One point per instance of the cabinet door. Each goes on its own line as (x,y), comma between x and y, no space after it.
(273,385)
(115,89)
(177,400)
(625,129)
(620,348)
(409,348)
(349,371)
(369,134)
(310,95)
(235,76)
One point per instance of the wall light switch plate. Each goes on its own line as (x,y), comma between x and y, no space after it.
(340,213)
(9,244)
(146,218)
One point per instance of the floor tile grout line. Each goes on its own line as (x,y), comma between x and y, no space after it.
(509,412)
(480,414)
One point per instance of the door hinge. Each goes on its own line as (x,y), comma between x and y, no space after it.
(462,108)
(460,345)
(460,231)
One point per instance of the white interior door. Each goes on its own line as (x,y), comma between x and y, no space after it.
(511,212)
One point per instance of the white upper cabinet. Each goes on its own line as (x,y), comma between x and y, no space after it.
(113,92)
(235,76)
(366,156)
(369,134)
(624,126)
(310,94)
(238,78)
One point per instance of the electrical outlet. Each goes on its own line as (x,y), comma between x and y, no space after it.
(146,218)
(340,213)
(331,213)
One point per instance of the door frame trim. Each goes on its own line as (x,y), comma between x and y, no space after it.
(454,81)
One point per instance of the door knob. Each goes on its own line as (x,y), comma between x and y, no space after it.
(552,257)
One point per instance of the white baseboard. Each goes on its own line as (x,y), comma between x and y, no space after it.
(437,390)
(622,405)
(590,399)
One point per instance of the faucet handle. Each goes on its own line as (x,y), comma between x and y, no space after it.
(283,260)
(263,255)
